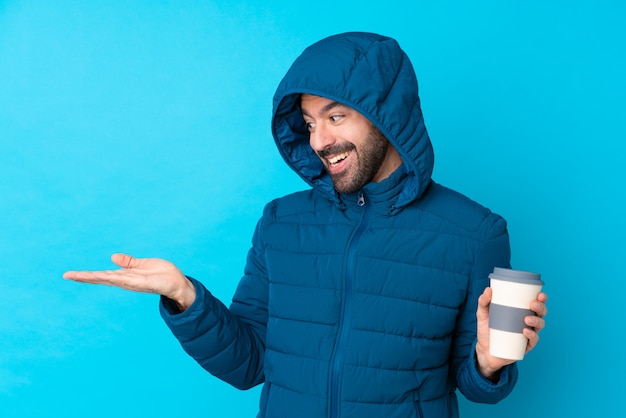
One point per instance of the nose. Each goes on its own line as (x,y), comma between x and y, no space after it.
(321,137)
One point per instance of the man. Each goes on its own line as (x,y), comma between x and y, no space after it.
(365,295)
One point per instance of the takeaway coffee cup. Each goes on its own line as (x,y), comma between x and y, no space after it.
(512,293)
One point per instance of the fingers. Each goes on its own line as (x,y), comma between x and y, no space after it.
(96,277)
(108,277)
(126,261)
(533,338)
(122,260)
(539,307)
(77,275)
(124,279)
(536,321)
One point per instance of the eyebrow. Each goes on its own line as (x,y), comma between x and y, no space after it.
(323,110)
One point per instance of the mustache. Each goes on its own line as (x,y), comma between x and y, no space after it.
(335,149)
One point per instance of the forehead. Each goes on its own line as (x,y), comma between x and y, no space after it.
(316,105)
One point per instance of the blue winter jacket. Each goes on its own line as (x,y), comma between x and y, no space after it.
(363,305)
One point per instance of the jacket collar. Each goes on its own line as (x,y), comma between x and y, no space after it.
(382,196)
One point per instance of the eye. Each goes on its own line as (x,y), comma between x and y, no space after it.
(309,125)
(335,118)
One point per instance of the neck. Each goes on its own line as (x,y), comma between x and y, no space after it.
(390,164)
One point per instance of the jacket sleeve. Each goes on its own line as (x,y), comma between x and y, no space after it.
(227,342)
(494,252)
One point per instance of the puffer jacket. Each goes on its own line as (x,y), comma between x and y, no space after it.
(360,305)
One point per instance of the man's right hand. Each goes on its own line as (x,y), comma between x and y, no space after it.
(147,275)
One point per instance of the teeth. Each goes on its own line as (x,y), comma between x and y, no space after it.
(338,158)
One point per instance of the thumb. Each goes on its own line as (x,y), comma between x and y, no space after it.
(483,304)
(126,261)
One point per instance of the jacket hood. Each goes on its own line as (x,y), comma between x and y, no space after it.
(371,74)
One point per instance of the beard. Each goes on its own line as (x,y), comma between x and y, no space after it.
(370,158)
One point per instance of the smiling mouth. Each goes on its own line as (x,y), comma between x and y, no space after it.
(335,160)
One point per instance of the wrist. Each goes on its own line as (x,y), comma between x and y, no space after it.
(185,296)
(483,367)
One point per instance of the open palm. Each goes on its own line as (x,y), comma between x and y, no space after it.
(147,275)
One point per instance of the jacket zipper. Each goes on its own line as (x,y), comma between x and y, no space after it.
(346,313)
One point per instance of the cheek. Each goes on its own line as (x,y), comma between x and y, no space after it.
(352,132)
(358,135)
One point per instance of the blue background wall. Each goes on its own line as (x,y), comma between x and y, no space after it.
(143,127)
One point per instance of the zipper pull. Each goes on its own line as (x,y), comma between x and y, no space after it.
(361,199)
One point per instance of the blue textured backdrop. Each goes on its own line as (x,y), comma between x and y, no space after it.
(143,127)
